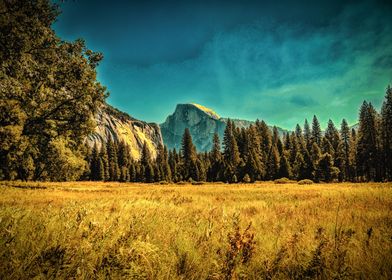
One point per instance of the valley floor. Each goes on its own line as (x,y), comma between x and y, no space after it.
(89,230)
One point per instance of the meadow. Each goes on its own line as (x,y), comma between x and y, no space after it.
(92,230)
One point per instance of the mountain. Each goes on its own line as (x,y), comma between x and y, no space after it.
(120,126)
(202,123)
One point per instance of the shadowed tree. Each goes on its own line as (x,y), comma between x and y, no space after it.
(386,134)
(48,94)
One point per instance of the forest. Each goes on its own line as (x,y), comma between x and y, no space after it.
(257,154)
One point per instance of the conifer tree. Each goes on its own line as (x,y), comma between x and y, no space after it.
(114,170)
(299,167)
(284,167)
(307,135)
(332,134)
(366,154)
(325,170)
(188,156)
(273,163)
(105,163)
(146,168)
(386,134)
(326,147)
(95,164)
(265,136)
(231,153)
(215,168)
(345,142)
(124,154)
(316,131)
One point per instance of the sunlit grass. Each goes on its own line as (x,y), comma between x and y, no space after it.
(91,230)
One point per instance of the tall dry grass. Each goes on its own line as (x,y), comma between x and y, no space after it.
(87,230)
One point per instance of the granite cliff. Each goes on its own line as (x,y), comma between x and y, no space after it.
(119,126)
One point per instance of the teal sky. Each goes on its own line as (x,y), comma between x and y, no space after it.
(281,61)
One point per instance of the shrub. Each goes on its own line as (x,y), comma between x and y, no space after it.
(283,180)
(246,179)
(305,182)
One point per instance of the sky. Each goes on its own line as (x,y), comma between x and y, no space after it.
(280,61)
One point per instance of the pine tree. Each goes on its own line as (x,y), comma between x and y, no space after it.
(105,163)
(214,172)
(94,164)
(216,154)
(386,134)
(188,156)
(326,147)
(299,167)
(265,136)
(146,168)
(273,163)
(332,134)
(325,170)
(345,142)
(366,154)
(230,153)
(114,170)
(124,155)
(307,135)
(284,167)
(316,131)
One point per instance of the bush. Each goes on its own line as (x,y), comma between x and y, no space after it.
(163,183)
(181,183)
(246,179)
(283,180)
(198,183)
(305,182)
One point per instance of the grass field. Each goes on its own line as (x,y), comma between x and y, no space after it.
(89,230)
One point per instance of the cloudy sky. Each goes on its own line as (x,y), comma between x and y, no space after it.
(281,61)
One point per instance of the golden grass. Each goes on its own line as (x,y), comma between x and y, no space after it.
(90,230)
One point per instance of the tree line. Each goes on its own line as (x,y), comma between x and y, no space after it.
(259,153)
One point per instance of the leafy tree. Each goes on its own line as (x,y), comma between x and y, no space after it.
(48,94)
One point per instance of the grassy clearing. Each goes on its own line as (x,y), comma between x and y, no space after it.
(89,230)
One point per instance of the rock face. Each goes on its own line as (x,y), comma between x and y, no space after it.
(120,126)
(202,123)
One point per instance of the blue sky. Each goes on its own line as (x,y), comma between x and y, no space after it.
(281,61)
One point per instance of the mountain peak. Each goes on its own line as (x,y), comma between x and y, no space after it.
(206,110)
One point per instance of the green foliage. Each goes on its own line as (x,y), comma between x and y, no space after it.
(48,94)
(325,169)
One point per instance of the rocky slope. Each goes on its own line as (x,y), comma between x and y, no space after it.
(120,126)
(202,123)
